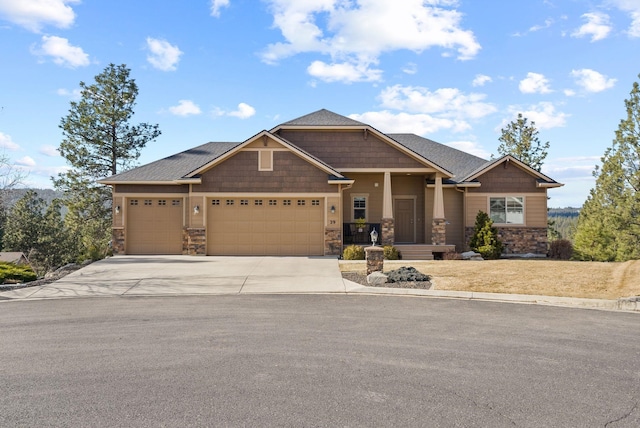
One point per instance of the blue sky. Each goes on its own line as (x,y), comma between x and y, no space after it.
(455,71)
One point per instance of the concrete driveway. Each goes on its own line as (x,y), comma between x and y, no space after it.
(172,275)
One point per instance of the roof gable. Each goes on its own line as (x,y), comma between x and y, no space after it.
(281,141)
(543,180)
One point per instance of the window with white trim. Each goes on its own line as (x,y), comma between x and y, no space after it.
(359,207)
(507,210)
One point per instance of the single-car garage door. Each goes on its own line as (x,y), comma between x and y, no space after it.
(154,226)
(265,226)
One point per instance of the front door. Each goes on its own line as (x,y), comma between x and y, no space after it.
(405,215)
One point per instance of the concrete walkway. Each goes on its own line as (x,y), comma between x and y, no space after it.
(188,275)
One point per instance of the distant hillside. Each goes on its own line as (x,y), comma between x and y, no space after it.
(564,220)
(47,194)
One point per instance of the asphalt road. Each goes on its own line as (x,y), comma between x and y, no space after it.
(315,360)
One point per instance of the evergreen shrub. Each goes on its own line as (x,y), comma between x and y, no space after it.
(485,238)
(16,273)
(390,252)
(353,252)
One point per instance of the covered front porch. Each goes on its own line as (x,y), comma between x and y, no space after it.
(401,206)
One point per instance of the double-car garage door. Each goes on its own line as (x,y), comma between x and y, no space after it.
(235,226)
(265,226)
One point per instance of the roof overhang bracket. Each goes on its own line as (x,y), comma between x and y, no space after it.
(366,133)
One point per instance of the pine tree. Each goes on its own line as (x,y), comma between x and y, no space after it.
(99,142)
(609,223)
(520,140)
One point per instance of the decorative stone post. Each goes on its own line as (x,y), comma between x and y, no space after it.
(375,259)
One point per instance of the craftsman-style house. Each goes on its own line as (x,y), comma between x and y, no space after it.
(314,184)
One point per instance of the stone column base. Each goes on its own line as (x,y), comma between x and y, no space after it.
(332,242)
(387,234)
(439,231)
(194,241)
(117,242)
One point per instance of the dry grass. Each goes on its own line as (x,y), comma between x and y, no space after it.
(592,280)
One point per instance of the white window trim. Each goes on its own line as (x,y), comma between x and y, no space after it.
(524,209)
(366,206)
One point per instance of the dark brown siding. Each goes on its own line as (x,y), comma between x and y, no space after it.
(511,179)
(240,174)
(349,149)
(150,188)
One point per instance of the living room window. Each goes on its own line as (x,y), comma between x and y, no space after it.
(507,210)
(359,207)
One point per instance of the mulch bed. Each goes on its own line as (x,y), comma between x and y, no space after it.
(362,280)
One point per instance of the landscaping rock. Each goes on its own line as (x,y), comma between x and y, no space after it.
(376,279)
(471,255)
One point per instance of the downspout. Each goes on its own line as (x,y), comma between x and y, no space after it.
(464,213)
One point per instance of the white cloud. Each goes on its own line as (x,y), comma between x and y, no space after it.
(547,23)
(244,111)
(597,26)
(164,56)
(26,161)
(35,14)
(410,68)
(446,102)
(592,81)
(344,72)
(633,7)
(7,143)
(49,150)
(471,147)
(534,83)
(481,79)
(357,33)
(544,115)
(569,92)
(185,108)
(216,5)
(421,124)
(62,53)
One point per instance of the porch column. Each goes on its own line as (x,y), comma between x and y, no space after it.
(387,234)
(438,226)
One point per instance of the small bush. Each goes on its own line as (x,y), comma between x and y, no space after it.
(353,252)
(561,249)
(406,274)
(16,273)
(390,252)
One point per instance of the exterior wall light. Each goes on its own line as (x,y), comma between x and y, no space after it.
(196,209)
(117,209)
(333,209)
(374,236)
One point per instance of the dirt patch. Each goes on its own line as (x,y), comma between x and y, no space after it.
(594,280)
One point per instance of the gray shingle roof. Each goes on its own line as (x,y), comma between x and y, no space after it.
(175,166)
(323,117)
(459,163)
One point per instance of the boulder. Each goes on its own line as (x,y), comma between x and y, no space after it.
(471,255)
(376,279)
